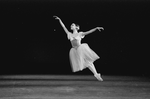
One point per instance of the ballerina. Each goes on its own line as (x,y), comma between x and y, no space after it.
(81,55)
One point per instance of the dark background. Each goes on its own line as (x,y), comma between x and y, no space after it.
(33,42)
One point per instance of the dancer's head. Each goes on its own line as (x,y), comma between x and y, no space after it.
(74,27)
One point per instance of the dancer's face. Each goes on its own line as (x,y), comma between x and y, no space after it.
(74,27)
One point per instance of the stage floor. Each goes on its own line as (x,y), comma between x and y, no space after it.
(73,87)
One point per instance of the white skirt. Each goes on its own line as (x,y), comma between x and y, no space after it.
(81,57)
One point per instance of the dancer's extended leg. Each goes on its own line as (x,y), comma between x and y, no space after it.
(97,75)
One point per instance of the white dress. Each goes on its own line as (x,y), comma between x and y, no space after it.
(81,55)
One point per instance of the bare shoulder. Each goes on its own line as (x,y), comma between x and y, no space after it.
(70,36)
(81,34)
(69,33)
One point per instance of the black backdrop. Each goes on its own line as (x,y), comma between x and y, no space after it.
(33,42)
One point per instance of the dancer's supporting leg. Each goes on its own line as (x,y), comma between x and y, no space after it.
(93,70)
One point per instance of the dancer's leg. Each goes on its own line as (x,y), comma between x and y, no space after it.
(93,70)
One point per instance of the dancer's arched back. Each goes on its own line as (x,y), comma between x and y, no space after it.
(81,55)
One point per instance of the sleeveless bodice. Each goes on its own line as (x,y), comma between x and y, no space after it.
(75,43)
(75,40)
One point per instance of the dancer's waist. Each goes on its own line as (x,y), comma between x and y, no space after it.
(75,46)
(75,43)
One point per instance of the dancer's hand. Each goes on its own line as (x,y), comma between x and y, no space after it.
(99,28)
(56,17)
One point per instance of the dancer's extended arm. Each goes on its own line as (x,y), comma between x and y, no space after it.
(92,30)
(62,24)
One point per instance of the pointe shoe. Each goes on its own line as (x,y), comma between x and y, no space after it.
(98,76)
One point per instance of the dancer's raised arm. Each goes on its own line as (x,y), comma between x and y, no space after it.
(92,30)
(62,24)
